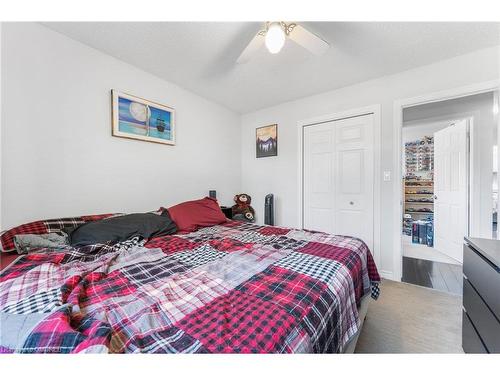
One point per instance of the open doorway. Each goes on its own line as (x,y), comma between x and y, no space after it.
(425,144)
(449,186)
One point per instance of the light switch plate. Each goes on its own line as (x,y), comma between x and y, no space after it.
(387,175)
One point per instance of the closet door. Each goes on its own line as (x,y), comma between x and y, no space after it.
(318,184)
(338,177)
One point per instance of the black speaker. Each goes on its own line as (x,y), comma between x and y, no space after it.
(228,211)
(269,209)
(212,194)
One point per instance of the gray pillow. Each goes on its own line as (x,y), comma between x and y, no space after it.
(25,243)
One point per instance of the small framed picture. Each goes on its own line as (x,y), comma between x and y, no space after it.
(266,141)
(141,119)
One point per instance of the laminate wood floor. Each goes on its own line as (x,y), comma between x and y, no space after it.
(436,275)
(411,319)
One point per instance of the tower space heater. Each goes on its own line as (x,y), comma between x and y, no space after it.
(269,209)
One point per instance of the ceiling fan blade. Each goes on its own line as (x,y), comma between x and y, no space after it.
(308,40)
(251,48)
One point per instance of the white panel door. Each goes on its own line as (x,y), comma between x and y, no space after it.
(450,189)
(319,196)
(338,177)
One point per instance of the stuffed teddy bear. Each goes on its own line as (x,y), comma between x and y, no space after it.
(242,211)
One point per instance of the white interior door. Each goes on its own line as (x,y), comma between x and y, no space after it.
(450,189)
(338,177)
(319,172)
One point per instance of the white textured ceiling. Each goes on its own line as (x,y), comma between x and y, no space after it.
(201,56)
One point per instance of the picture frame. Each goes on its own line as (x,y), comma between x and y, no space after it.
(266,141)
(140,119)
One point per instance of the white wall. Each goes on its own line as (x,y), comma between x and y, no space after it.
(278,175)
(58,155)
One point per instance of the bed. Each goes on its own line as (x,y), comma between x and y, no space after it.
(229,288)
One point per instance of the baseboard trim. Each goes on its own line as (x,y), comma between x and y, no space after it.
(387,275)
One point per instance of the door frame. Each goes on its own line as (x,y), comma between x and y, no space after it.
(399,106)
(355,112)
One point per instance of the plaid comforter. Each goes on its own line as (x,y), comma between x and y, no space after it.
(234,287)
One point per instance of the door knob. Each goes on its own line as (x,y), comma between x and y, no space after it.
(435,197)
(351,203)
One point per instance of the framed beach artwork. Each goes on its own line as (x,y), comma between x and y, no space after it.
(266,141)
(141,119)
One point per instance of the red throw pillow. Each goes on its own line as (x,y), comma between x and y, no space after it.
(192,215)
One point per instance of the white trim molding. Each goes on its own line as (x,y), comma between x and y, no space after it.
(399,106)
(375,110)
(386,275)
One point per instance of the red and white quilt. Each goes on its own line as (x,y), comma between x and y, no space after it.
(231,288)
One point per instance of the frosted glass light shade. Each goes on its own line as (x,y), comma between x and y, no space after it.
(275,38)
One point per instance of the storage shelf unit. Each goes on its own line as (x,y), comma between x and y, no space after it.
(416,214)
(418,182)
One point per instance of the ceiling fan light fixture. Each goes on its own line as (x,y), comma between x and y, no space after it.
(275,37)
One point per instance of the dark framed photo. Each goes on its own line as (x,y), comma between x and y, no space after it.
(266,141)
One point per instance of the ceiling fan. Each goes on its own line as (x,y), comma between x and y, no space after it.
(274,36)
